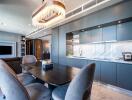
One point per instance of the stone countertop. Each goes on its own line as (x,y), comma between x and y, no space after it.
(101,59)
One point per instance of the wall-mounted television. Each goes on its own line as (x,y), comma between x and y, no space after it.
(5,50)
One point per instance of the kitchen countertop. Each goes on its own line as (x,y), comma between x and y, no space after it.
(101,59)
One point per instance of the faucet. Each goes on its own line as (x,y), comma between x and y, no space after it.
(80,52)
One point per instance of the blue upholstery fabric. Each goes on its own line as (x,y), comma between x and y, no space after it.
(81,83)
(29,59)
(60,92)
(38,91)
(12,88)
(26,78)
(80,86)
(1,95)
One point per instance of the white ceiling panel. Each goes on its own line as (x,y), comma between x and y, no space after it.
(15,15)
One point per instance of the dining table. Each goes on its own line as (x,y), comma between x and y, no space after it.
(55,76)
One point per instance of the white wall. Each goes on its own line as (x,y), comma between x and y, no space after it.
(6,36)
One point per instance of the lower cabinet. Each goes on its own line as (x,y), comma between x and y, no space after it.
(117,74)
(108,73)
(77,62)
(97,70)
(105,72)
(124,76)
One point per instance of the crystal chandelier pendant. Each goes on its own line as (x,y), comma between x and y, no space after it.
(48,13)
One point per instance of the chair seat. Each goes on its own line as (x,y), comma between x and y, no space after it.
(60,92)
(38,91)
(26,78)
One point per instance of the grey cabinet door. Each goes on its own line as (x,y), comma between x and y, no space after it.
(108,72)
(124,31)
(109,33)
(97,70)
(85,37)
(80,63)
(124,76)
(96,35)
(54,46)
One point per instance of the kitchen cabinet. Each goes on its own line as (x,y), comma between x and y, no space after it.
(96,35)
(124,31)
(54,46)
(80,63)
(85,37)
(34,47)
(97,69)
(109,33)
(124,74)
(108,72)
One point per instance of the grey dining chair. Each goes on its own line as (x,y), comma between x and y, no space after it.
(12,89)
(25,77)
(29,59)
(1,95)
(79,88)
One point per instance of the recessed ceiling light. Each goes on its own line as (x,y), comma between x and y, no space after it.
(3,24)
(82,30)
(119,21)
(99,26)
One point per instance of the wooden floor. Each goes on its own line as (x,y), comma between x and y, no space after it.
(103,92)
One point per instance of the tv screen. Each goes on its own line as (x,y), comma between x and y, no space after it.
(5,50)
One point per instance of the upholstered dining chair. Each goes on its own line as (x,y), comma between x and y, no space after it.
(79,88)
(25,77)
(29,59)
(12,89)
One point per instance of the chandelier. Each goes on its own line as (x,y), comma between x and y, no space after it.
(50,12)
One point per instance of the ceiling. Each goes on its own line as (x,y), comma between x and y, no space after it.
(15,15)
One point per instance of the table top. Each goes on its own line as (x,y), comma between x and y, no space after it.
(58,75)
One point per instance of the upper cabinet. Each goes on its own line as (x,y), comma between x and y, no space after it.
(112,31)
(96,35)
(89,36)
(85,37)
(109,33)
(124,31)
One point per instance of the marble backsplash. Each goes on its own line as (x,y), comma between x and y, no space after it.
(106,50)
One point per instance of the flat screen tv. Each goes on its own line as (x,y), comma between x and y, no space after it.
(5,50)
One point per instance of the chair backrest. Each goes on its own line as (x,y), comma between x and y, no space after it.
(10,86)
(81,84)
(29,59)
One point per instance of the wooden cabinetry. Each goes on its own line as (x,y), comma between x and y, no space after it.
(69,44)
(23,40)
(34,47)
